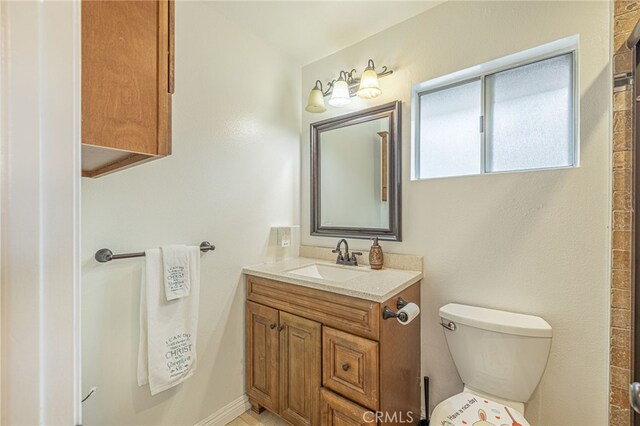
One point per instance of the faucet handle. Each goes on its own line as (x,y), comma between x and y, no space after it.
(354,259)
(340,256)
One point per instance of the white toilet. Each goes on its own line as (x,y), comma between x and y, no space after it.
(500,357)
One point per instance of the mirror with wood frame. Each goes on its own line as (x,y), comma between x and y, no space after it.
(355,174)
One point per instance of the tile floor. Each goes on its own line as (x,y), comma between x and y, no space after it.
(249,418)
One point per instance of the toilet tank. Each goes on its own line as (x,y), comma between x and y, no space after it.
(497,352)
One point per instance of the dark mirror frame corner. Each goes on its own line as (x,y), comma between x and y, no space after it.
(393,110)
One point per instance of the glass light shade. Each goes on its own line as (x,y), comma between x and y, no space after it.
(369,86)
(315,103)
(340,94)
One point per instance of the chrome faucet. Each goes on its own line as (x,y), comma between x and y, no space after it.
(346,258)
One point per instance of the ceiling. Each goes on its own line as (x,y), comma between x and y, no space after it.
(310,30)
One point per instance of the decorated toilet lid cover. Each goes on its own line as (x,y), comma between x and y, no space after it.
(466,409)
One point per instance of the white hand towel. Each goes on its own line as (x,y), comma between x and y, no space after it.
(175,260)
(168,329)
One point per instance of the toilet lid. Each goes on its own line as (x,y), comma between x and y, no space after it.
(466,409)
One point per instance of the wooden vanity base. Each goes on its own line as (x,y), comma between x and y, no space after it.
(256,408)
(317,358)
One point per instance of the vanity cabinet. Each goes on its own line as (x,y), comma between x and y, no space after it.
(127,83)
(319,358)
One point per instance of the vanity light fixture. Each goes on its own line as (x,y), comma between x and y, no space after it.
(347,86)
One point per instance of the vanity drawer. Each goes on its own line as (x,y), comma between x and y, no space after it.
(350,366)
(357,316)
(337,411)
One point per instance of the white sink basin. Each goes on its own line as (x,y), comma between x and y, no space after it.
(328,272)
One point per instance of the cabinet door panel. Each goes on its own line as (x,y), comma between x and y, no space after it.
(127,81)
(119,74)
(337,411)
(262,355)
(300,345)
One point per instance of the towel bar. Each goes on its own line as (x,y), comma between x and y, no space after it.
(105,255)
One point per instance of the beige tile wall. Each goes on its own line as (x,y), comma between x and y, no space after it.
(626,14)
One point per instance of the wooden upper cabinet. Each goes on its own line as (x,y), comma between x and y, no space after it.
(127,82)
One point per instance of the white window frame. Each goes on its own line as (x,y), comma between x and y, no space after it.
(479,72)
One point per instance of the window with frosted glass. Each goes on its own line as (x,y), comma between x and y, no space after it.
(502,119)
(450,143)
(530,116)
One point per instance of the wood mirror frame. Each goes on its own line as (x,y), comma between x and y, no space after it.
(394,230)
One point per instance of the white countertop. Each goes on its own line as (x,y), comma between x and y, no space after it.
(374,285)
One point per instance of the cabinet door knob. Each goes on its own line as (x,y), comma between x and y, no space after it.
(280,329)
(345,367)
(273,325)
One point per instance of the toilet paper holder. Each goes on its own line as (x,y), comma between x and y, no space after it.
(387,312)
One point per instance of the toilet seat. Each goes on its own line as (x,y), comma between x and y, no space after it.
(467,409)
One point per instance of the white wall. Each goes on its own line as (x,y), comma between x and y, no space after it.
(234,172)
(40,166)
(536,242)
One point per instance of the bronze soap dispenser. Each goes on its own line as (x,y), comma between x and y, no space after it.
(376,258)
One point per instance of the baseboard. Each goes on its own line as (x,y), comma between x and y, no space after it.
(226,413)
